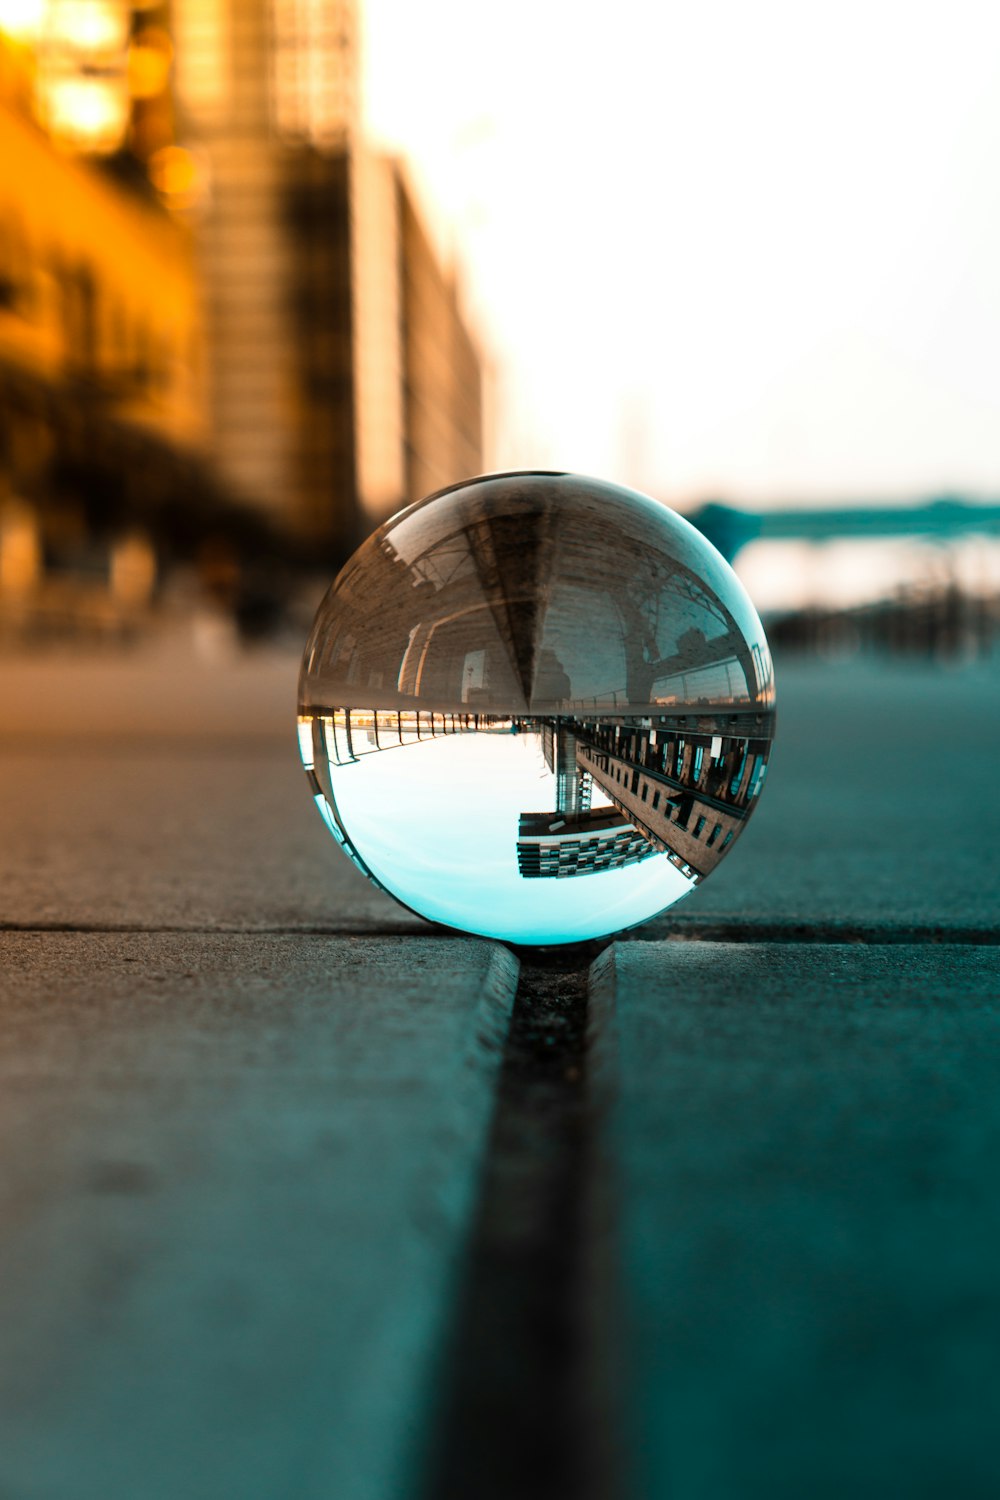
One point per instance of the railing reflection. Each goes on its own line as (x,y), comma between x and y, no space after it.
(682,786)
(344,735)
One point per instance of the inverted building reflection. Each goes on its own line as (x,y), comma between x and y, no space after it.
(688,787)
(510,605)
(574,838)
(624,788)
(599,839)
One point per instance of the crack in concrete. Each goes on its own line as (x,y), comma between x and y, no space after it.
(703,931)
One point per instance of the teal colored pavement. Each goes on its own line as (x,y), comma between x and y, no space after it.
(147,792)
(237,1174)
(803,1141)
(883,804)
(300,1196)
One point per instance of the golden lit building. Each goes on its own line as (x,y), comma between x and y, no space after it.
(95,74)
(344,381)
(101,360)
(210,289)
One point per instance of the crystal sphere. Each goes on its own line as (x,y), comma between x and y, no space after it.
(536,707)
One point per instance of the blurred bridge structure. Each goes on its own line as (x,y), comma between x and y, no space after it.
(940,519)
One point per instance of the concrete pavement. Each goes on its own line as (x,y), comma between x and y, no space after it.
(163,790)
(268,1162)
(802,1141)
(236,1178)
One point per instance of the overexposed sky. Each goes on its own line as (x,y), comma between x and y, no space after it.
(731,249)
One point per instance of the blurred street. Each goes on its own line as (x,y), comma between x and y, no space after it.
(286,1215)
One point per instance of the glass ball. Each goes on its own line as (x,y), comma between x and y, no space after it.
(536,707)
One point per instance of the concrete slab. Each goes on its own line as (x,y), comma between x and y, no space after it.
(191,678)
(802,1144)
(139,835)
(236,1180)
(162,788)
(169,794)
(881,805)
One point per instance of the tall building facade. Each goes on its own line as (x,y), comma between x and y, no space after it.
(344,380)
(101,350)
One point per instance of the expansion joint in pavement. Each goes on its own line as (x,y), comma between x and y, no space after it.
(519,1375)
(575,955)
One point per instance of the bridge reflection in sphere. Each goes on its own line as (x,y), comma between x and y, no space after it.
(536,707)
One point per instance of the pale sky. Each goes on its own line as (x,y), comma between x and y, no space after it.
(437,823)
(749,250)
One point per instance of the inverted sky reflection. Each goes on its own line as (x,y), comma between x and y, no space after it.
(438,823)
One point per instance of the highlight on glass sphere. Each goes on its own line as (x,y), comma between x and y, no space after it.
(536,707)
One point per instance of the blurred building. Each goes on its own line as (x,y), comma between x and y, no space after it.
(344,380)
(101,395)
(224,331)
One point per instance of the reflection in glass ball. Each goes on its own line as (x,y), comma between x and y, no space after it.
(536,707)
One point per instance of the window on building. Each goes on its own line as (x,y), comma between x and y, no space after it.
(314,69)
